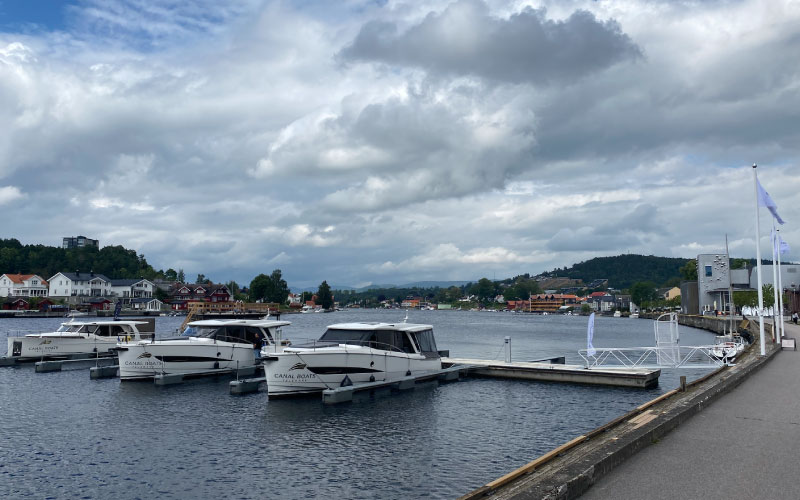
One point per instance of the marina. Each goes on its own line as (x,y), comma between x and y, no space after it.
(525,419)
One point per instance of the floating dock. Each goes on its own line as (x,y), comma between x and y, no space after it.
(643,378)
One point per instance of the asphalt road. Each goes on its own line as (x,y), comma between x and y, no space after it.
(746,445)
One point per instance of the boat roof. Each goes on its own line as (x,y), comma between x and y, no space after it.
(105,322)
(263,323)
(403,327)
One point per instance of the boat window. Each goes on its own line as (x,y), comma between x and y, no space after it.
(426,341)
(88,329)
(117,330)
(254,335)
(345,336)
(102,330)
(232,334)
(405,343)
(208,332)
(386,340)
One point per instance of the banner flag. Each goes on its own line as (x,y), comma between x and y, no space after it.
(765,200)
(590,350)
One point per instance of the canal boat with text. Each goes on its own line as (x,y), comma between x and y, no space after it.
(76,338)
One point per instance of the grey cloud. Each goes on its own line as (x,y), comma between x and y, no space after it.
(466,39)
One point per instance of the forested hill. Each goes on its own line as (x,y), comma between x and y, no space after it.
(111,261)
(624,270)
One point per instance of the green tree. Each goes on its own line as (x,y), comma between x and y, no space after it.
(171,275)
(181,276)
(324,295)
(689,271)
(643,293)
(484,289)
(738,263)
(272,288)
(160,294)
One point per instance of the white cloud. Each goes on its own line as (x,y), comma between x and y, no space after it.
(9,194)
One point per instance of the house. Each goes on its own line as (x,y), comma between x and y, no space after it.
(98,304)
(128,289)
(22,285)
(79,242)
(182,293)
(79,284)
(16,304)
(146,304)
(411,302)
(603,303)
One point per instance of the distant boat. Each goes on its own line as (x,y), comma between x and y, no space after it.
(634,315)
(617,314)
(75,337)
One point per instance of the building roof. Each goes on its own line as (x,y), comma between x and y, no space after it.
(82,276)
(127,281)
(19,278)
(143,300)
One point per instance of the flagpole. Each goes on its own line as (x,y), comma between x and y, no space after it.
(780,283)
(762,342)
(775,328)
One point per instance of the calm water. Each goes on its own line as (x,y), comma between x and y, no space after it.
(65,436)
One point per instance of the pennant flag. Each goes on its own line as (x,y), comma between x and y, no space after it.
(765,200)
(590,350)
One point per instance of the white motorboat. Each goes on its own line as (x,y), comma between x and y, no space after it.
(76,338)
(634,315)
(351,353)
(617,314)
(727,347)
(205,348)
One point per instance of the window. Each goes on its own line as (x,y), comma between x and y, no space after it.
(708,271)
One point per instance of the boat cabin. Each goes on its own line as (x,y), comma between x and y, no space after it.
(238,332)
(405,337)
(99,329)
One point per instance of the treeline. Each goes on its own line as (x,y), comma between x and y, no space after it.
(45,261)
(622,271)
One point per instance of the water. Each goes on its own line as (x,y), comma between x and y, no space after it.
(65,436)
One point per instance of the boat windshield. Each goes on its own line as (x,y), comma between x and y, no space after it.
(426,341)
(389,340)
(200,331)
(69,327)
(229,333)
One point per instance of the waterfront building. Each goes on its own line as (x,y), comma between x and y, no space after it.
(79,242)
(16,304)
(22,285)
(128,289)
(183,293)
(79,284)
(790,276)
(149,304)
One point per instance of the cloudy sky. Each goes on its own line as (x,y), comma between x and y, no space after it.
(392,141)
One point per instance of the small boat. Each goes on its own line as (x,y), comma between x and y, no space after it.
(617,314)
(727,347)
(206,347)
(76,338)
(634,315)
(351,353)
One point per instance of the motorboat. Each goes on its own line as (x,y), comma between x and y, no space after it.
(351,353)
(634,315)
(617,314)
(205,347)
(727,347)
(76,338)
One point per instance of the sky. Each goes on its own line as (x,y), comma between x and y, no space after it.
(393,141)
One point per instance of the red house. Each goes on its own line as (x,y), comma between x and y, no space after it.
(18,304)
(181,294)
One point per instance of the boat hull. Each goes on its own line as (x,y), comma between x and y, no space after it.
(54,346)
(145,360)
(297,371)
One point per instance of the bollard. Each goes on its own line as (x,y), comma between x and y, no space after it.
(683,383)
(508,349)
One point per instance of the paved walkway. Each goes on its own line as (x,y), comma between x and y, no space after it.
(745,445)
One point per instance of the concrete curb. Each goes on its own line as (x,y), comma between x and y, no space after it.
(581,467)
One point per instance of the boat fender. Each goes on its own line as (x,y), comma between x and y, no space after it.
(346,382)
(408,373)
(216,365)
(372,378)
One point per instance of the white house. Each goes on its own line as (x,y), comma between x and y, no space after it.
(22,285)
(79,284)
(146,304)
(132,288)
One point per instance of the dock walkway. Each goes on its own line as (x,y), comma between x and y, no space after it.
(744,445)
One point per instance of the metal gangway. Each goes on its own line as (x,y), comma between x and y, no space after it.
(667,353)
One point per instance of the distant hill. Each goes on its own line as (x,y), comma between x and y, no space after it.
(622,271)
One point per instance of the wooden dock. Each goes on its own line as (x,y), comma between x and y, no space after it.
(642,378)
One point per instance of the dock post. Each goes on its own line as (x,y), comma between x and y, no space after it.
(508,349)
(683,383)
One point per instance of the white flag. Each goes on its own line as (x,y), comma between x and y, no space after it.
(783,246)
(590,350)
(765,200)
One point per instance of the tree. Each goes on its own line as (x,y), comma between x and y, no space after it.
(643,292)
(202,280)
(181,277)
(270,288)
(689,271)
(160,294)
(738,263)
(324,295)
(484,289)
(171,275)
